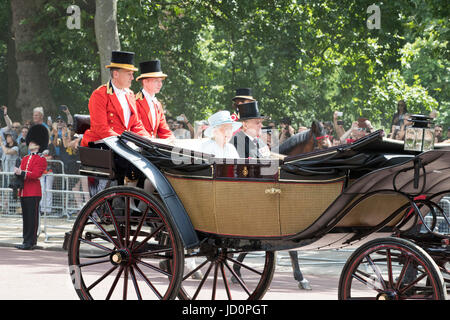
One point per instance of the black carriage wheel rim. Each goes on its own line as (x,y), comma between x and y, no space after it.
(390,286)
(123,254)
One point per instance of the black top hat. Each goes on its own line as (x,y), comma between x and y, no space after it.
(39,135)
(249,110)
(244,93)
(151,69)
(122,60)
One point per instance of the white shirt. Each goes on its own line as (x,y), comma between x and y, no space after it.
(211,147)
(151,100)
(121,96)
(263,150)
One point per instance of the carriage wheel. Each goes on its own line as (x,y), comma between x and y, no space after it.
(222,274)
(116,249)
(391,269)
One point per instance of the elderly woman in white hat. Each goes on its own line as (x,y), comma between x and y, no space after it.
(220,130)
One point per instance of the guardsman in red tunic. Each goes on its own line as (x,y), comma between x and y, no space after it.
(150,109)
(31,169)
(112,106)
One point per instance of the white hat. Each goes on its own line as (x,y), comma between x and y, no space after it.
(219,118)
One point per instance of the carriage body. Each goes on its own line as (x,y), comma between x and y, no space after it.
(327,199)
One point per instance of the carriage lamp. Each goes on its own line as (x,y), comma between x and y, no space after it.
(420,135)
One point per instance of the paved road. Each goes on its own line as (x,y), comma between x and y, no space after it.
(43,275)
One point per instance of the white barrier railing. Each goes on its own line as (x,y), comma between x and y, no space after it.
(63,196)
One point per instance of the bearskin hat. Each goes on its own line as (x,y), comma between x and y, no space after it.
(39,135)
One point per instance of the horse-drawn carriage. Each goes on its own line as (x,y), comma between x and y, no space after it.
(134,242)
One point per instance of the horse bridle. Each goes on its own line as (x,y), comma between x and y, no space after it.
(318,139)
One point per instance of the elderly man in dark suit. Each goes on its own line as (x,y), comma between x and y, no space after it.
(247,141)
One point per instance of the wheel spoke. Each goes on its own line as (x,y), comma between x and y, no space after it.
(377,271)
(113,286)
(107,235)
(196,269)
(153,253)
(113,218)
(97,245)
(154,268)
(148,282)
(389,265)
(101,278)
(225,282)
(81,265)
(135,283)
(153,233)
(368,283)
(202,282)
(216,267)
(125,283)
(402,273)
(139,227)
(239,279)
(127,220)
(243,265)
(409,286)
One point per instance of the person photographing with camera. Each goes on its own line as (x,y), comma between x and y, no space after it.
(359,129)
(65,109)
(28,173)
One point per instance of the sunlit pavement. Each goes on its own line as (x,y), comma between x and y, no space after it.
(44,275)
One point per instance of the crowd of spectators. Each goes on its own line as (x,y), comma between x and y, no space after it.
(337,131)
(64,143)
(62,153)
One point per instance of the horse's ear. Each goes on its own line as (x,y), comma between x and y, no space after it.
(316,127)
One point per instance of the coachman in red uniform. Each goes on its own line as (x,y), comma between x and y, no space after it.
(31,169)
(112,106)
(149,108)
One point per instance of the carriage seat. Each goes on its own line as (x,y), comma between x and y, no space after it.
(81,122)
(358,158)
(96,160)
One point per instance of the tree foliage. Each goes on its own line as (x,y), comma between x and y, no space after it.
(303,59)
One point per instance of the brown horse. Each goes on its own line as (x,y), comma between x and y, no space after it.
(305,141)
(314,138)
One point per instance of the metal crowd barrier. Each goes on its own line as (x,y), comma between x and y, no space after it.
(63,195)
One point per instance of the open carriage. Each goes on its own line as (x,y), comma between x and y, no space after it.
(231,216)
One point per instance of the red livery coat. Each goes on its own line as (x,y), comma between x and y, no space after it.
(33,167)
(106,115)
(162,130)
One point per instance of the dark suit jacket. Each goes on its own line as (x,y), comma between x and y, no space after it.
(245,147)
